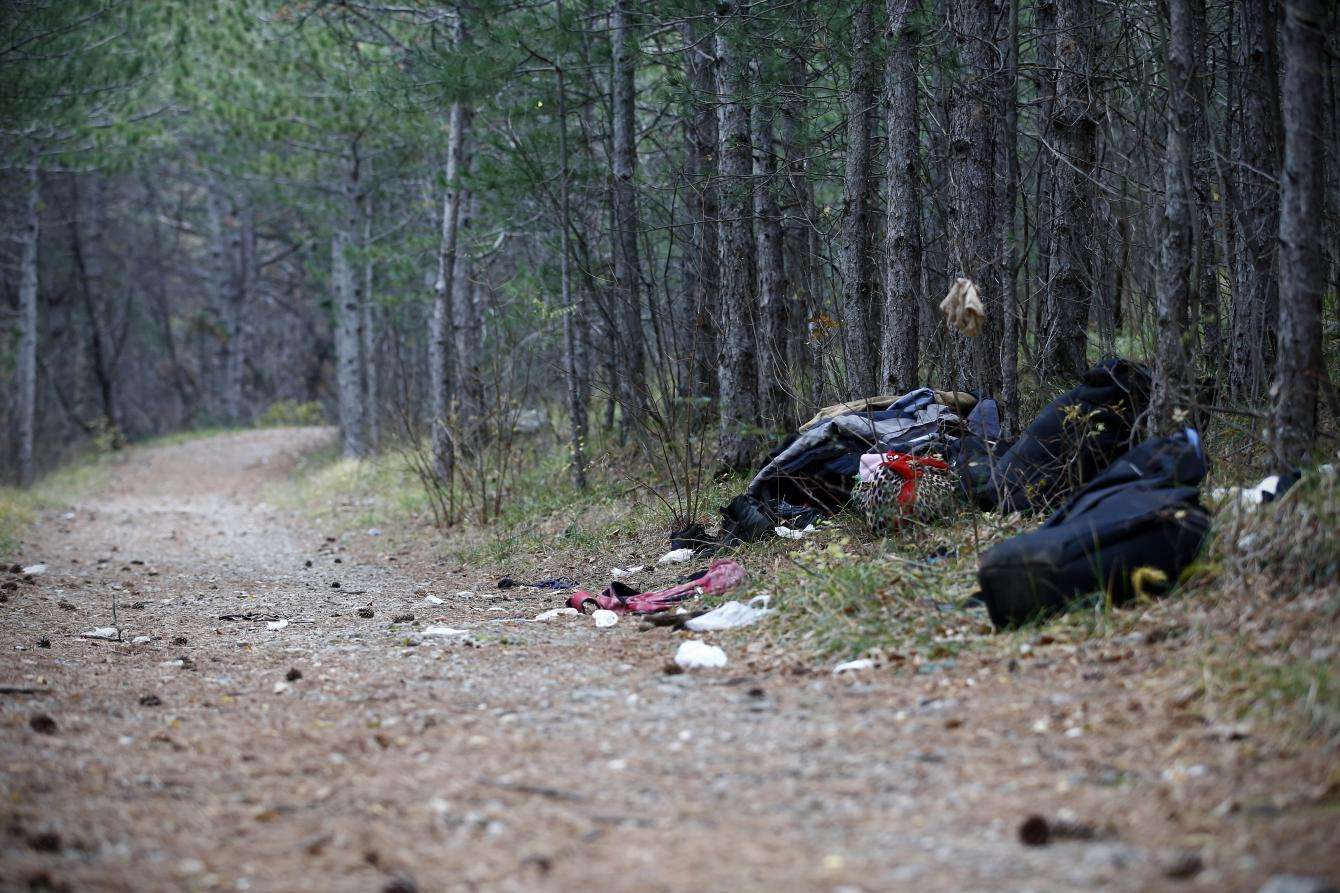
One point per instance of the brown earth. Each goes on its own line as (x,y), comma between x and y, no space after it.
(554,755)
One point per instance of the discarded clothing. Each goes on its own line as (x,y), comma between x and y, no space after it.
(963,307)
(1075,436)
(1131,531)
(901,486)
(730,615)
(723,575)
(1268,490)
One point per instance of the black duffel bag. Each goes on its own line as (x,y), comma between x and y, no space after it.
(1074,438)
(1132,529)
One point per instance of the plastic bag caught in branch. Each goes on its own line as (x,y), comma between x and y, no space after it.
(963,308)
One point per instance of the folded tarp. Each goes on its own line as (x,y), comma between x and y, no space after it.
(1075,436)
(1134,528)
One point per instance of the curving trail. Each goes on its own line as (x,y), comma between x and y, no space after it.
(547,756)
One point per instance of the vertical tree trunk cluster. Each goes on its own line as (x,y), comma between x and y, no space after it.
(859,341)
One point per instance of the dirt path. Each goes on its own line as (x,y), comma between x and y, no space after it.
(554,755)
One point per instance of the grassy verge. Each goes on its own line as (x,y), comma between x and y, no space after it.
(63,486)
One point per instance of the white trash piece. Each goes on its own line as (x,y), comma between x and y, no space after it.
(695,654)
(141,640)
(618,572)
(276,624)
(102,632)
(852,666)
(675,556)
(555,613)
(731,615)
(788,533)
(444,631)
(464,593)
(35,569)
(432,599)
(604,618)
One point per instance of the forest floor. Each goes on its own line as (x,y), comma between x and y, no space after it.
(337,754)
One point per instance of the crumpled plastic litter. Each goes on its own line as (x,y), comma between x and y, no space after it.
(617,572)
(731,615)
(790,534)
(963,307)
(35,569)
(1249,497)
(555,612)
(277,625)
(604,618)
(432,599)
(102,632)
(675,556)
(444,631)
(141,640)
(695,654)
(851,666)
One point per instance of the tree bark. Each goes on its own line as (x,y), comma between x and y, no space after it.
(1257,294)
(971,223)
(348,346)
(701,381)
(1177,275)
(467,334)
(571,361)
(737,369)
(1075,129)
(371,370)
(1299,368)
(772,282)
(1009,267)
(27,358)
(627,270)
(440,365)
(902,245)
(858,316)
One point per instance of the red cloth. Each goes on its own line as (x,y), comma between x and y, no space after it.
(909,468)
(722,575)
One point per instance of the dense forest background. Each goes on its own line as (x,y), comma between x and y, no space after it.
(664,227)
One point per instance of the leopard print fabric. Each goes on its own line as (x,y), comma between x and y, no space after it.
(886,502)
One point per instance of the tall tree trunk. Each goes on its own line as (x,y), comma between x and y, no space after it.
(902,254)
(235,374)
(737,369)
(1044,24)
(1299,368)
(1256,308)
(440,364)
(773,368)
(798,230)
(1177,275)
(371,370)
(972,230)
(627,270)
(348,346)
(858,316)
(88,229)
(222,260)
(1075,127)
(467,333)
(702,137)
(571,315)
(27,359)
(1009,239)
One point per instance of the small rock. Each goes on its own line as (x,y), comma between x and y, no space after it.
(1183,865)
(365,613)
(400,884)
(1297,883)
(151,701)
(45,842)
(178,641)
(335,585)
(293,674)
(42,724)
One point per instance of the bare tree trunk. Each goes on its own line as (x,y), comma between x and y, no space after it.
(235,378)
(26,372)
(737,369)
(1009,267)
(627,270)
(702,380)
(571,362)
(858,316)
(1044,24)
(799,232)
(973,110)
(222,258)
(902,247)
(1299,368)
(1256,308)
(1177,275)
(440,365)
(348,346)
(1075,126)
(773,368)
(467,333)
(371,371)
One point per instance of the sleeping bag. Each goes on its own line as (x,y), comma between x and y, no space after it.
(1132,529)
(1074,437)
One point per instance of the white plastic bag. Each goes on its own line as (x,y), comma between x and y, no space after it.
(731,615)
(695,654)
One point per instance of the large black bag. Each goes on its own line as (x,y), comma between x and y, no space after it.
(1075,436)
(1133,528)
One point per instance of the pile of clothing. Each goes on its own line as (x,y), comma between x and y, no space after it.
(1129,518)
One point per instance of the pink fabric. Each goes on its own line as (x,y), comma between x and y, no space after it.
(724,574)
(869,463)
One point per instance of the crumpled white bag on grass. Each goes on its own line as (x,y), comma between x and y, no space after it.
(697,654)
(731,615)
